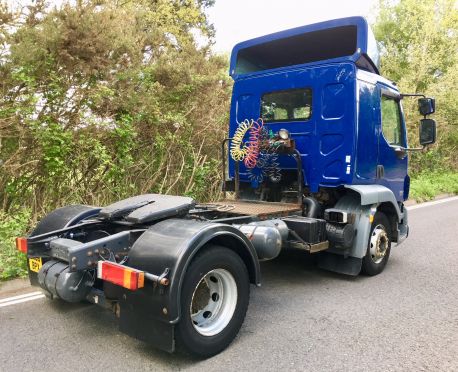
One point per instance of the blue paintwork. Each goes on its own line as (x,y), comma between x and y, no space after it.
(342,143)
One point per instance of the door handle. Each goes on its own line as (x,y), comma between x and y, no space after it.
(400,152)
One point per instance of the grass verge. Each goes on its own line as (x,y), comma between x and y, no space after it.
(425,186)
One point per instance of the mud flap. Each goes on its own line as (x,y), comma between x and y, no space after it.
(140,322)
(340,264)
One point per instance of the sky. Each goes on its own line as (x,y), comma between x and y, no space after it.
(239,20)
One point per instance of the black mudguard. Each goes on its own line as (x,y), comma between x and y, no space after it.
(150,313)
(64,217)
(58,219)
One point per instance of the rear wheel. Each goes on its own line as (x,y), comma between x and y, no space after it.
(215,298)
(379,246)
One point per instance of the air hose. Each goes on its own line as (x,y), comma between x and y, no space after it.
(259,154)
(238,149)
(252,150)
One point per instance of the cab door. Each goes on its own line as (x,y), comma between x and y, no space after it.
(392,157)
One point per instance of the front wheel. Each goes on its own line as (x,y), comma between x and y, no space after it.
(379,246)
(214,301)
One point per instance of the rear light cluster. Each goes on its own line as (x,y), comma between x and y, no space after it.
(123,276)
(21,244)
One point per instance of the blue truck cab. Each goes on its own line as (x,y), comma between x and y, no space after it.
(321,83)
(319,86)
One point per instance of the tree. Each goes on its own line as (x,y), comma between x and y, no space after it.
(104,99)
(419,43)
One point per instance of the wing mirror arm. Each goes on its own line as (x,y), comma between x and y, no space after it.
(401,152)
(400,148)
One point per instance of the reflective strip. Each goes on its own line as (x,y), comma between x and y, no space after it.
(141,280)
(121,275)
(127,276)
(21,244)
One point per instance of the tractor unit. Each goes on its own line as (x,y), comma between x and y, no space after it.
(315,160)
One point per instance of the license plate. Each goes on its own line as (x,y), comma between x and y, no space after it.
(35,264)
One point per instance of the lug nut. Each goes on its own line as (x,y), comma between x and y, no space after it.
(89,253)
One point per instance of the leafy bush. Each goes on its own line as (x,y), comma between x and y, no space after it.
(104,99)
(12,262)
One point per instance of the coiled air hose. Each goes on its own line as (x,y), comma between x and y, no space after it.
(252,150)
(238,149)
(258,154)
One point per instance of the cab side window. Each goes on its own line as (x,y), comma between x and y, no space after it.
(391,121)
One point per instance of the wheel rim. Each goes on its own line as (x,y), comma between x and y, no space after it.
(379,244)
(213,302)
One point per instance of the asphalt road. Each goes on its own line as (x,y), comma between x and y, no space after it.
(302,318)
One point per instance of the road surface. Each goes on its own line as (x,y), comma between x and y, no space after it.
(302,318)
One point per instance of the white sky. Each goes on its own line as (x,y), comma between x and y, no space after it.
(239,20)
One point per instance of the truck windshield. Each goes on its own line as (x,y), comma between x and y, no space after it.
(287,105)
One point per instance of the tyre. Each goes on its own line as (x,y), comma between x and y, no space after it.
(214,301)
(379,246)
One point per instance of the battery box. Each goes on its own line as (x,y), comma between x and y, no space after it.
(311,230)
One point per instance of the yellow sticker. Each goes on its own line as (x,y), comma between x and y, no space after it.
(35,264)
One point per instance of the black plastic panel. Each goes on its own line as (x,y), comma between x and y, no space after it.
(63,217)
(164,206)
(124,207)
(311,230)
(147,208)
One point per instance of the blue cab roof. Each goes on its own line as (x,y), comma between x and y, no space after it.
(338,40)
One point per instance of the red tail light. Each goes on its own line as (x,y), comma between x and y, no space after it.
(123,276)
(21,244)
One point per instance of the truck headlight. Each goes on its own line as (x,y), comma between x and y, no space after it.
(283,134)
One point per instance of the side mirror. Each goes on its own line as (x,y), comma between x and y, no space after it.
(427,131)
(427,106)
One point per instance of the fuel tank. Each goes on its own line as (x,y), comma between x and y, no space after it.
(267,237)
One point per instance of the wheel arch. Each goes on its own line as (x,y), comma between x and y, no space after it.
(362,201)
(380,195)
(172,244)
(60,218)
(64,217)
